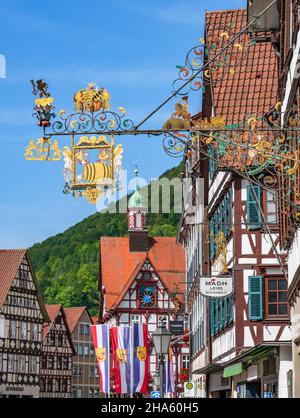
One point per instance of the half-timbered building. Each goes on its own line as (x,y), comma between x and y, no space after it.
(85,375)
(142,280)
(289,48)
(248,332)
(57,357)
(22,314)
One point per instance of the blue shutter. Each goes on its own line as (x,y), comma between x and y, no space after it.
(211,241)
(212,316)
(225,313)
(253,210)
(255,302)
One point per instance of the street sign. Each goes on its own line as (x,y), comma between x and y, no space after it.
(176,327)
(189,391)
(155,394)
(216,287)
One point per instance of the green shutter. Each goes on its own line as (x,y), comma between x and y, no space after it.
(226,213)
(255,302)
(253,210)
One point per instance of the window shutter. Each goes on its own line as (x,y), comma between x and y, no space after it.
(255,302)
(212,316)
(253,210)
(226,213)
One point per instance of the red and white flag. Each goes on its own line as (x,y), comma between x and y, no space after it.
(121,348)
(100,336)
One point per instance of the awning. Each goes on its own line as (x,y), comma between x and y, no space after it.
(233,370)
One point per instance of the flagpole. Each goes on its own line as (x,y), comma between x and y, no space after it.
(131,360)
(108,331)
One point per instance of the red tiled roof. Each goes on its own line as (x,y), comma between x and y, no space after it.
(73,315)
(10,261)
(253,88)
(119,266)
(52,311)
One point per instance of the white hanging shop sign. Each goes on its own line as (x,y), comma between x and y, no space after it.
(216,287)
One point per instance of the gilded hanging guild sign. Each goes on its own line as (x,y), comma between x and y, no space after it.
(216,287)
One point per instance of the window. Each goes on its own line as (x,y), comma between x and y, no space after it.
(74,371)
(92,351)
(57,385)
(2,321)
(65,363)
(10,363)
(212,162)
(34,332)
(276,296)
(58,362)
(253,207)
(93,371)
(59,340)
(44,362)
(79,370)
(50,362)
(1,362)
(49,385)
(91,392)
(79,393)
(23,331)
(185,361)
(64,385)
(135,319)
(86,350)
(12,329)
(52,339)
(21,364)
(84,329)
(270,208)
(80,350)
(32,364)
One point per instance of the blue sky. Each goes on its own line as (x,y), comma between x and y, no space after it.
(131,47)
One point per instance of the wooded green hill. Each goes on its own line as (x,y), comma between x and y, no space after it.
(66,265)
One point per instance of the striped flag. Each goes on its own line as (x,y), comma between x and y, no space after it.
(100,336)
(121,347)
(169,374)
(140,358)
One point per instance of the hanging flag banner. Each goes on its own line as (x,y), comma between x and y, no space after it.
(169,374)
(121,348)
(100,337)
(216,287)
(141,358)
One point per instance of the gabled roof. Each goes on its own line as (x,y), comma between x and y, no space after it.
(253,88)
(53,310)
(119,266)
(73,315)
(10,261)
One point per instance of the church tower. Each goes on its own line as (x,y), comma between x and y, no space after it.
(137,220)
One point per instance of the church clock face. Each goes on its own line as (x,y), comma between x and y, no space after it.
(147,297)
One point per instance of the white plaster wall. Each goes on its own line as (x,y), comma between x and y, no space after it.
(285,364)
(294,257)
(223,343)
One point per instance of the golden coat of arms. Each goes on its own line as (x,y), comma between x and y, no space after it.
(141,353)
(121,355)
(100,354)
